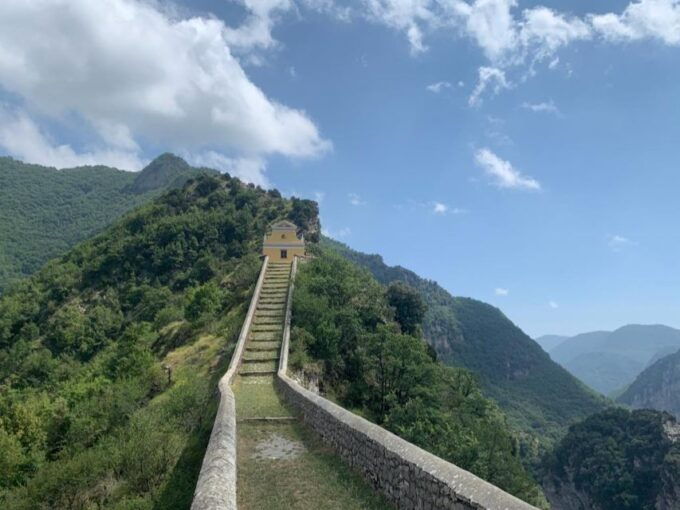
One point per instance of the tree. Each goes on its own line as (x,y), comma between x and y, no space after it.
(409,307)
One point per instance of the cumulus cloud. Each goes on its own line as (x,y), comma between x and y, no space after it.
(502,172)
(500,291)
(652,19)
(510,36)
(23,138)
(543,107)
(134,73)
(247,169)
(256,31)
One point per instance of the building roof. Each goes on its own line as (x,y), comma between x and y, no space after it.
(283,225)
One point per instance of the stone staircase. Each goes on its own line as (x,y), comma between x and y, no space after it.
(263,347)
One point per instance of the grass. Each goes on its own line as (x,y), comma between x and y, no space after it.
(316,478)
(256,397)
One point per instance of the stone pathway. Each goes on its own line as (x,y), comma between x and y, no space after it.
(281,464)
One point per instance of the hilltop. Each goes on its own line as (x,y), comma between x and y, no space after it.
(45,211)
(539,397)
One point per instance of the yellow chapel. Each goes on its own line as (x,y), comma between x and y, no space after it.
(282,243)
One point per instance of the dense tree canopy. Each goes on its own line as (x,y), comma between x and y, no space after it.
(618,460)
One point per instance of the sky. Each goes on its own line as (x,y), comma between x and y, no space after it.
(522,153)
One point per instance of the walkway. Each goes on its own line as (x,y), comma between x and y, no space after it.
(281,463)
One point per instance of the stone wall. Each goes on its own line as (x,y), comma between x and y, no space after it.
(216,486)
(408,476)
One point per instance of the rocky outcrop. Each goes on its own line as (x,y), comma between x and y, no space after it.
(657,387)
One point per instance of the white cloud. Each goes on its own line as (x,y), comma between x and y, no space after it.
(439,208)
(490,23)
(500,291)
(544,107)
(247,169)
(553,305)
(136,74)
(256,31)
(653,19)
(337,234)
(21,137)
(618,242)
(407,16)
(438,87)
(503,173)
(489,77)
(511,36)
(355,199)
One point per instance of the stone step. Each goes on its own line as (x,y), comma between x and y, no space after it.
(267,419)
(265,307)
(260,356)
(266,328)
(272,312)
(263,346)
(256,373)
(265,336)
(268,320)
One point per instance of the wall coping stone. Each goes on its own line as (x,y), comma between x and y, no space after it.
(455,487)
(216,485)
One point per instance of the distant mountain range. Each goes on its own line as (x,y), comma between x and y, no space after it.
(608,361)
(45,211)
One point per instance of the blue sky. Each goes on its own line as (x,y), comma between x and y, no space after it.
(522,153)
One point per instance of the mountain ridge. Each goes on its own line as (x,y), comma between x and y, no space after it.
(45,211)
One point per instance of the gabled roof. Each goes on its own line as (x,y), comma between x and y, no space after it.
(283,225)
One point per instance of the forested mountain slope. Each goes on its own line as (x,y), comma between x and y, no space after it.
(616,460)
(361,343)
(657,387)
(44,211)
(539,397)
(109,356)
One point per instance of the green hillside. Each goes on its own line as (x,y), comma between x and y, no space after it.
(538,396)
(44,211)
(616,460)
(109,356)
(362,344)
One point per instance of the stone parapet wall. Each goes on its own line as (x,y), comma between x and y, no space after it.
(216,486)
(408,476)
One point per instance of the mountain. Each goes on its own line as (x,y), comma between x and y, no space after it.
(45,211)
(549,342)
(110,355)
(616,460)
(361,343)
(610,360)
(657,387)
(539,397)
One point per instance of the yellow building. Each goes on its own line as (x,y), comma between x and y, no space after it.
(281,242)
